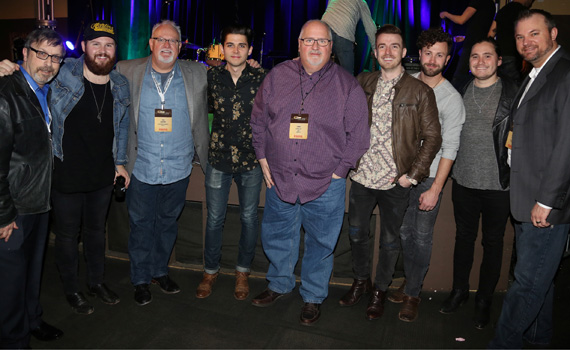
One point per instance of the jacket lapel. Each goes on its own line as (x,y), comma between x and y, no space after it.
(138,76)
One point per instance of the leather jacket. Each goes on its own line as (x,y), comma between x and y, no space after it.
(416,131)
(66,91)
(502,126)
(25,151)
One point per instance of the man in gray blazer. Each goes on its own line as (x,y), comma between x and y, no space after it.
(540,182)
(168,129)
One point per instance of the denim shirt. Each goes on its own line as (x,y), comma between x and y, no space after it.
(67,89)
(164,157)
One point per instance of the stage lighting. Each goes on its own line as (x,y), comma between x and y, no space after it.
(70,45)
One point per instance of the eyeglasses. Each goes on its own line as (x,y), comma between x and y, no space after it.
(44,56)
(311,41)
(161,41)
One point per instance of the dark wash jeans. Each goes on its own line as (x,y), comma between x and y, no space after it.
(527,307)
(74,214)
(417,238)
(153,218)
(392,204)
(493,207)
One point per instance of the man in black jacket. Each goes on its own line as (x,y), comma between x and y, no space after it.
(481,180)
(25,181)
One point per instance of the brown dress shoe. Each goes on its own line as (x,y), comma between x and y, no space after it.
(310,314)
(359,288)
(397,297)
(409,309)
(242,287)
(266,298)
(375,308)
(205,287)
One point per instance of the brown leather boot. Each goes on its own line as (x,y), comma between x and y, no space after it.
(409,309)
(242,286)
(358,288)
(205,287)
(375,308)
(398,296)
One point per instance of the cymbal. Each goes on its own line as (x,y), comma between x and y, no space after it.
(191,46)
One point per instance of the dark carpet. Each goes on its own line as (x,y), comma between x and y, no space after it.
(220,321)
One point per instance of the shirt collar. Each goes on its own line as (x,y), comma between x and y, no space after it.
(32,82)
(320,71)
(535,71)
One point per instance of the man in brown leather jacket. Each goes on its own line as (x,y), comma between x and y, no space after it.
(405,136)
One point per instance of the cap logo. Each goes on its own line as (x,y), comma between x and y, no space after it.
(103,27)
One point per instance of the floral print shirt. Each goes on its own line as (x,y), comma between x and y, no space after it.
(230,148)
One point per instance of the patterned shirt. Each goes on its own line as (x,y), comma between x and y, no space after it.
(230,148)
(377,168)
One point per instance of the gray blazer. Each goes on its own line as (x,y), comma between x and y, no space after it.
(196,83)
(540,164)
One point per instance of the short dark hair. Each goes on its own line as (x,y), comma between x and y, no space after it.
(431,36)
(45,34)
(237,29)
(390,29)
(490,41)
(528,13)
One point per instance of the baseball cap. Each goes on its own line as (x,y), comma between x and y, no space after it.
(98,29)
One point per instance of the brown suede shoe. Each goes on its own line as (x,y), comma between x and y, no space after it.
(242,287)
(375,308)
(397,297)
(409,309)
(205,287)
(359,288)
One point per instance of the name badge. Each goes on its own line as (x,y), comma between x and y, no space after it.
(163,120)
(509,143)
(299,127)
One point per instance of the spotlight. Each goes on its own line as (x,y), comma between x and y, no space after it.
(70,45)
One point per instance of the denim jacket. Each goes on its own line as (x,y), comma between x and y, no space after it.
(67,89)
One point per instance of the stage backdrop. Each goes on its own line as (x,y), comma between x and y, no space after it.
(276,23)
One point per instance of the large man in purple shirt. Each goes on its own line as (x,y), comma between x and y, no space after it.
(309,126)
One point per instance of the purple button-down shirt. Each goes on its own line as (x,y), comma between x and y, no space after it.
(338,128)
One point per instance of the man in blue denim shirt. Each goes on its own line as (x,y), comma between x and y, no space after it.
(168,126)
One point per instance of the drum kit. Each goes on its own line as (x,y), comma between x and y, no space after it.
(212,55)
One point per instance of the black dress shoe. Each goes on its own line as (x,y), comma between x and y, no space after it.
(167,285)
(357,290)
(142,294)
(482,313)
(375,308)
(310,314)
(456,298)
(46,332)
(79,303)
(104,293)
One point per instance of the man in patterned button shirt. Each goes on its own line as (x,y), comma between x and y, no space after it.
(405,135)
(231,90)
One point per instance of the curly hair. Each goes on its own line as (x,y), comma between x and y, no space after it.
(431,36)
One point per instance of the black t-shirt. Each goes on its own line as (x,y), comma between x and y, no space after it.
(88,163)
(479,24)
(505,19)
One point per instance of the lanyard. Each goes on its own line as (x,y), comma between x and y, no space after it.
(159,89)
(303,95)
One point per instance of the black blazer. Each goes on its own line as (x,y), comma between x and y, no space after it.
(540,164)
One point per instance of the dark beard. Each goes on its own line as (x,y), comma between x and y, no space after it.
(98,69)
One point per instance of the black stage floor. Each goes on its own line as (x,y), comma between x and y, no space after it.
(220,321)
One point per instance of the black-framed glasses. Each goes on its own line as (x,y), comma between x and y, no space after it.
(311,41)
(161,41)
(44,56)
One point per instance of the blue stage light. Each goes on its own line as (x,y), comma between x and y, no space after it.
(70,45)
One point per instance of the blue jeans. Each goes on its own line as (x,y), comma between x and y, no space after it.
(280,235)
(417,238)
(218,185)
(153,214)
(392,205)
(527,307)
(344,51)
